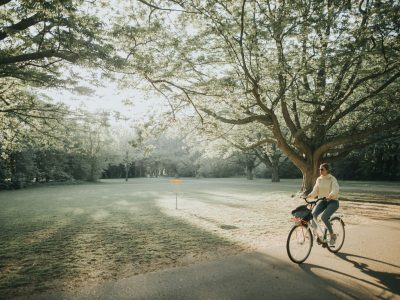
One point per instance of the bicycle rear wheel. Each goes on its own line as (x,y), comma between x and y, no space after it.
(338,228)
(299,243)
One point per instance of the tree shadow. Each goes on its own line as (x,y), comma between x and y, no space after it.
(392,219)
(211,198)
(129,238)
(246,276)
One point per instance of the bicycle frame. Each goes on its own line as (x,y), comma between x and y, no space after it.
(320,232)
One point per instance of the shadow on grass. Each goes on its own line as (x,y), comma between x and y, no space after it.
(29,262)
(211,198)
(103,242)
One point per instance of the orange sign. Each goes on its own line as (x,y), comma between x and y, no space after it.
(176,181)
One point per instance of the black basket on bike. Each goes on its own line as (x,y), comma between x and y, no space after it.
(302,212)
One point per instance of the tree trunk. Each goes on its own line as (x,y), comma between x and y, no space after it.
(126,172)
(310,175)
(271,162)
(275,173)
(249,173)
(92,166)
(275,166)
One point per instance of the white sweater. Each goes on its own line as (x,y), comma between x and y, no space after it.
(325,186)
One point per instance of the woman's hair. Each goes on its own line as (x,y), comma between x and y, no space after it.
(326,167)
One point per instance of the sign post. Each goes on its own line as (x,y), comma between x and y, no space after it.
(176,182)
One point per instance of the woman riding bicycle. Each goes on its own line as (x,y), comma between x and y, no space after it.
(327,187)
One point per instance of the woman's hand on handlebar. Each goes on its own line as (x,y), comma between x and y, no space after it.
(314,202)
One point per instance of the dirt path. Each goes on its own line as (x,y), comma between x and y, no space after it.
(368,267)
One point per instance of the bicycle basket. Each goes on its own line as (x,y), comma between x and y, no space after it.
(302,212)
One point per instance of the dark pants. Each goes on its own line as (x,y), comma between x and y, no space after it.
(328,207)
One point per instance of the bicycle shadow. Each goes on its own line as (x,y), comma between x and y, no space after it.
(390,280)
(386,281)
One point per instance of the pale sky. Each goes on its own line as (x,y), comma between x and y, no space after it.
(112,98)
(109,97)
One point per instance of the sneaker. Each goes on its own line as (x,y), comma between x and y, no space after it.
(333,239)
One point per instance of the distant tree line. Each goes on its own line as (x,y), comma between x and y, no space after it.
(171,158)
(38,166)
(76,150)
(377,162)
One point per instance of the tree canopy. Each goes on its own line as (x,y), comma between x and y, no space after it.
(318,79)
(321,76)
(40,42)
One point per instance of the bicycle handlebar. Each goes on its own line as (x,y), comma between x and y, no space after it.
(314,202)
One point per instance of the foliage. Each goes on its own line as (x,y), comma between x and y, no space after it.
(40,42)
(321,78)
(377,162)
(220,168)
(39,37)
(81,154)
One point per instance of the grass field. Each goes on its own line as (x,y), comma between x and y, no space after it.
(62,237)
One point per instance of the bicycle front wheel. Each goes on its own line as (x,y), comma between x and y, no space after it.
(299,243)
(338,228)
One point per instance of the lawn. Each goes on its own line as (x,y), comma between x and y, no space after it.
(63,237)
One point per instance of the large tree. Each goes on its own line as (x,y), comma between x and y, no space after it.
(321,76)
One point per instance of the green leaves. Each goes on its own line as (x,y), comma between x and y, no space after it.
(319,70)
(39,40)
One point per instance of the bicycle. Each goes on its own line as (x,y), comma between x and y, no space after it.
(301,236)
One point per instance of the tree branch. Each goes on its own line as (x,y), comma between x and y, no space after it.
(181,87)
(251,147)
(246,70)
(165,9)
(295,131)
(260,118)
(194,106)
(362,100)
(264,158)
(343,152)
(71,57)
(21,25)
(331,159)
(2,2)
(348,138)
(284,146)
